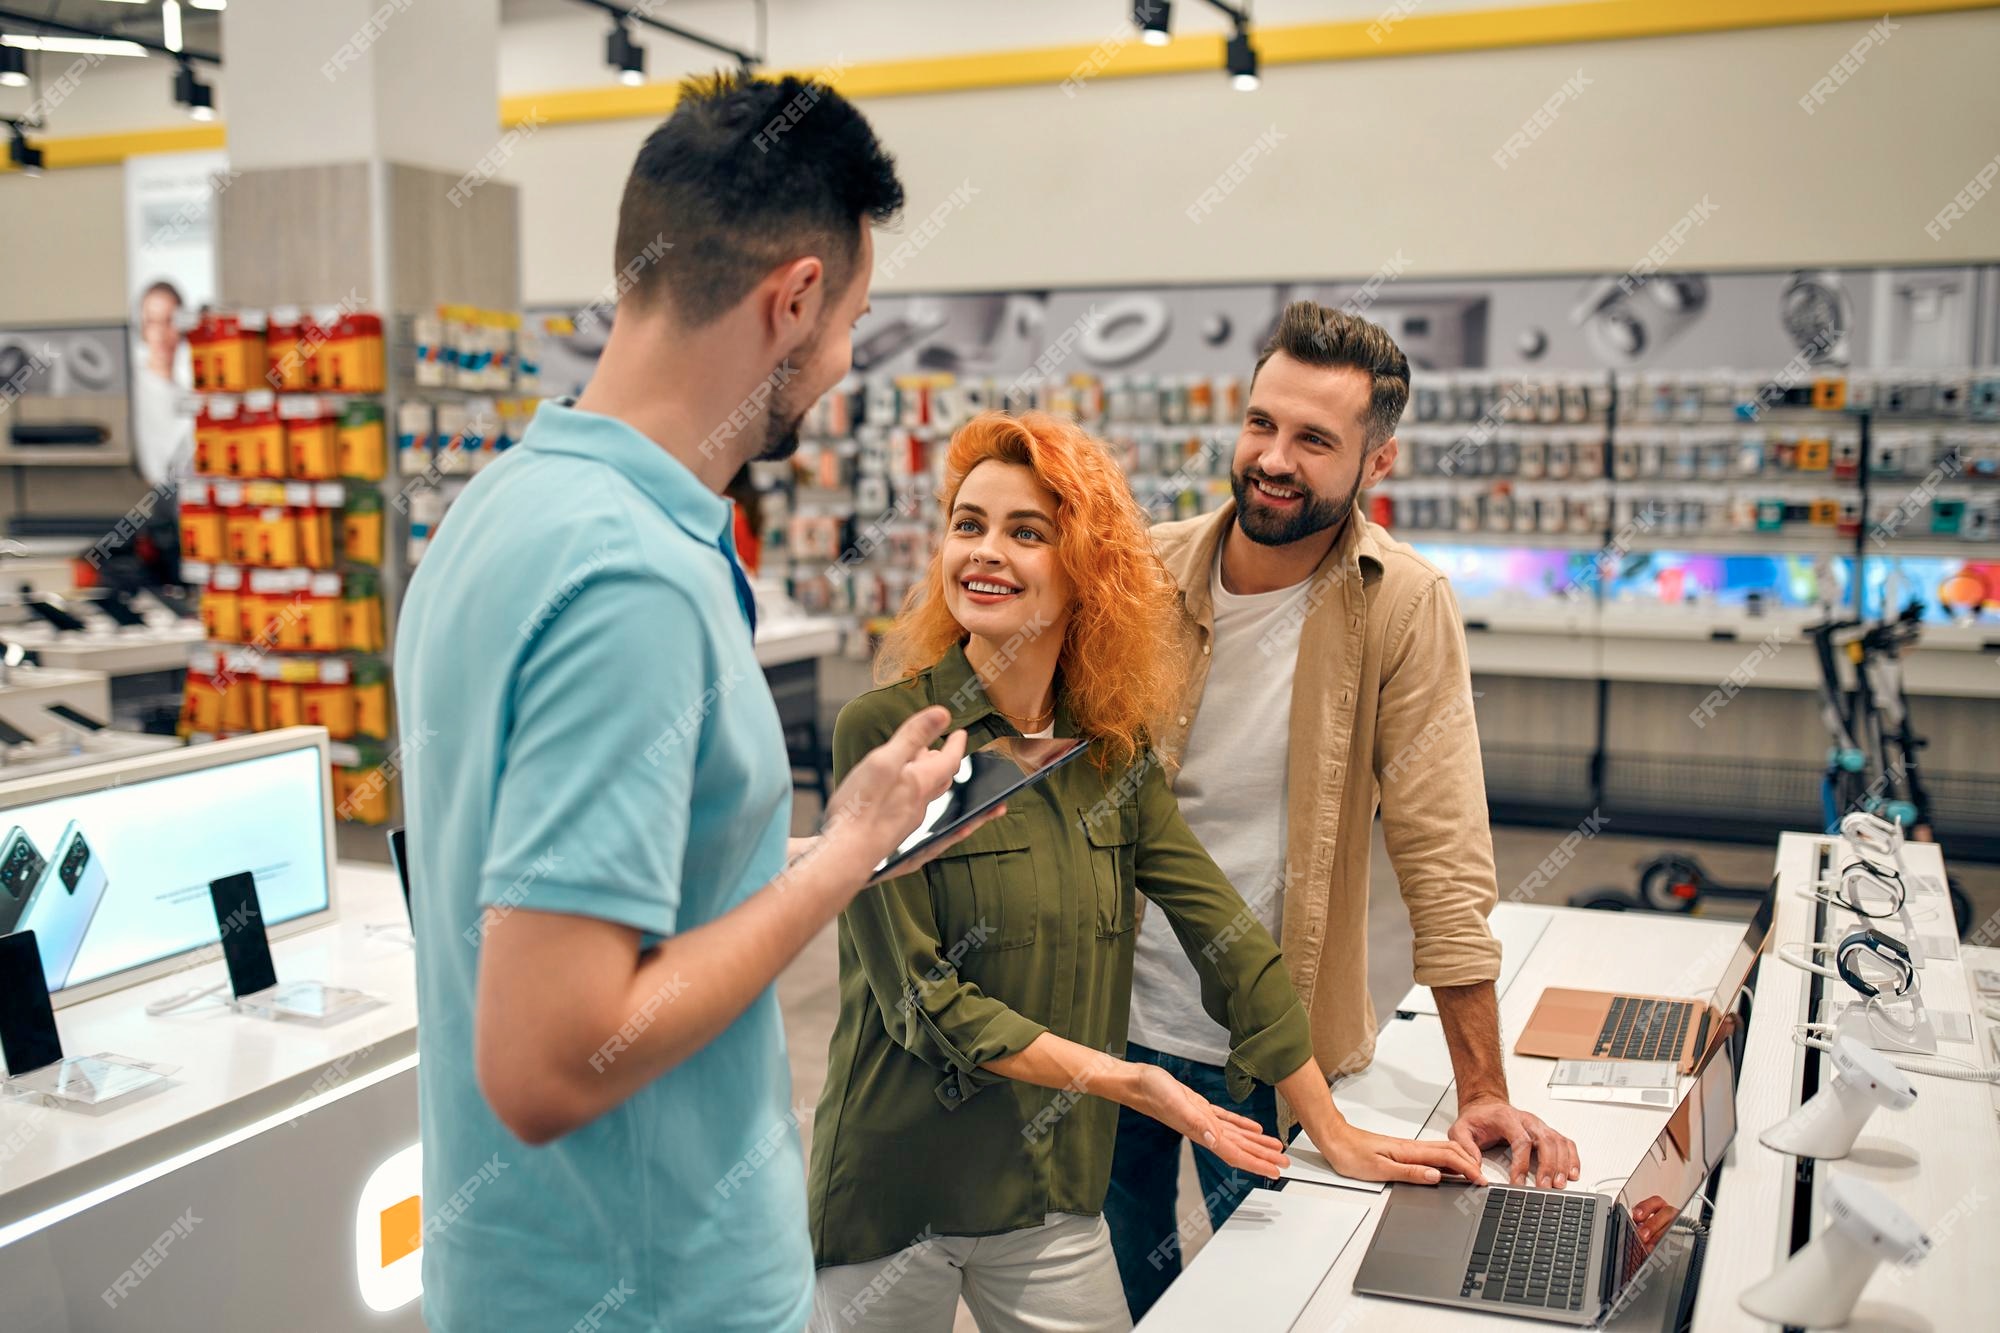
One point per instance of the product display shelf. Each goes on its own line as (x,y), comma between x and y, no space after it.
(283,531)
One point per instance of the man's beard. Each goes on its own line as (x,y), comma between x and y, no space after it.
(1315,514)
(783,418)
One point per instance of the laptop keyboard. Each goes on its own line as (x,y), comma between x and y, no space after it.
(1643,1029)
(1532,1249)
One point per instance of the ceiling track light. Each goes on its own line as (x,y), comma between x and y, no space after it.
(26,157)
(625,55)
(13,67)
(1242,62)
(1151,18)
(192,93)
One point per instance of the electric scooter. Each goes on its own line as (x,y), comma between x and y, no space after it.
(1871,731)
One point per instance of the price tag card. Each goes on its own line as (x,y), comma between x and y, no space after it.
(1632,1082)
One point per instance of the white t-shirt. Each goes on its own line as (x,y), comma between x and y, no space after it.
(1232,792)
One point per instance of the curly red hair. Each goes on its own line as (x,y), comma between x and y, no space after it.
(1122,664)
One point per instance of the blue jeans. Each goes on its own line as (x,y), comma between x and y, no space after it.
(1141,1208)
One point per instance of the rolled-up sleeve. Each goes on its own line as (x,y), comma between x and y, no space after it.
(1433,787)
(1244,985)
(926,1007)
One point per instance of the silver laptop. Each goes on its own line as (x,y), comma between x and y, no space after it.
(1557,1255)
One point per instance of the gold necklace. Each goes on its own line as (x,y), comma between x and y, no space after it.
(1036,724)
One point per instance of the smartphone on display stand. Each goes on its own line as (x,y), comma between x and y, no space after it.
(245,946)
(52,615)
(28,1036)
(253,974)
(21,866)
(64,902)
(120,609)
(32,1046)
(75,717)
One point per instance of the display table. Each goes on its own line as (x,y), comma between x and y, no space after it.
(1933,1159)
(1939,1160)
(266,1136)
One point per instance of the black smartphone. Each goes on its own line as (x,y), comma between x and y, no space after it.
(245,947)
(28,1037)
(54,615)
(398,856)
(12,736)
(73,717)
(120,609)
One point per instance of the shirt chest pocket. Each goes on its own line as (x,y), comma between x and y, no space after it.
(988,890)
(1114,868)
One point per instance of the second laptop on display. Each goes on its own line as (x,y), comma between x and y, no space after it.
(1605,1025)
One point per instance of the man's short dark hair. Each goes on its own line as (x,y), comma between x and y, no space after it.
(1323,336)
(745,175)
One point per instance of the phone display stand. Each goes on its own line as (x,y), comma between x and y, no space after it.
(85,1082)
(311,1002)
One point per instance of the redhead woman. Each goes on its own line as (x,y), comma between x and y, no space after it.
(963,1142)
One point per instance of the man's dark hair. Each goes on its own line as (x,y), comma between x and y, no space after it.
(1323,336)
(745,175)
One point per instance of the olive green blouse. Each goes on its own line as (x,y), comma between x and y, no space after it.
(1025,927)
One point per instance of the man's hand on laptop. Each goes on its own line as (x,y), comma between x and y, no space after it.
(1541,1156)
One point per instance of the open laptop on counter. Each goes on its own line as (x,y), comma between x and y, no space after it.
(1557,1255)
(1604,1025)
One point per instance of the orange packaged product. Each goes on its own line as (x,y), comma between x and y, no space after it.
(201,527)
(312,446)
(319,615)
(284,363)
(236,353)
(363,442)
(222,605)
(371,698)
(330,706)
(201,701)
(236,684)
(277,537)
(283,706)
(209,439)
(366,796)
(240,529)
(260,437)
(290,625)
(370,354)
(322,534)
(265,605)
(197,343)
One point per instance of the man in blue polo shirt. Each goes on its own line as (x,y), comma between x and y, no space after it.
(597,819)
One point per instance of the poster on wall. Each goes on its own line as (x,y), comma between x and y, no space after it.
(170,266)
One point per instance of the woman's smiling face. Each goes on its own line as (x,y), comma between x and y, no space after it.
(1001,576)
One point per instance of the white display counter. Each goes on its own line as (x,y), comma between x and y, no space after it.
(1931,1159)
(266,1136)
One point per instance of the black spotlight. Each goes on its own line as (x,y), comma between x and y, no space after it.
(24,154)
(1242,62)
(1150,18)
(13,67)
(626,56)
(192,93)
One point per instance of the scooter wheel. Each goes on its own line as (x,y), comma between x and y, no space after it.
(1671,883)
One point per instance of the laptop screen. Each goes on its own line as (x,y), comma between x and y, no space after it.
(1747,950)
(1687,1150)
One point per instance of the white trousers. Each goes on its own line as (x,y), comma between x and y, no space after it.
(1059,1277)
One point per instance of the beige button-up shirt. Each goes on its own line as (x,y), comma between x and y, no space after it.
(1381,719)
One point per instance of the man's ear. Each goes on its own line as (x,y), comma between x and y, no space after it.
(796,296)
(1380,459)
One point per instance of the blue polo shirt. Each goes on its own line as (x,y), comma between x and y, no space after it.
(598,740)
